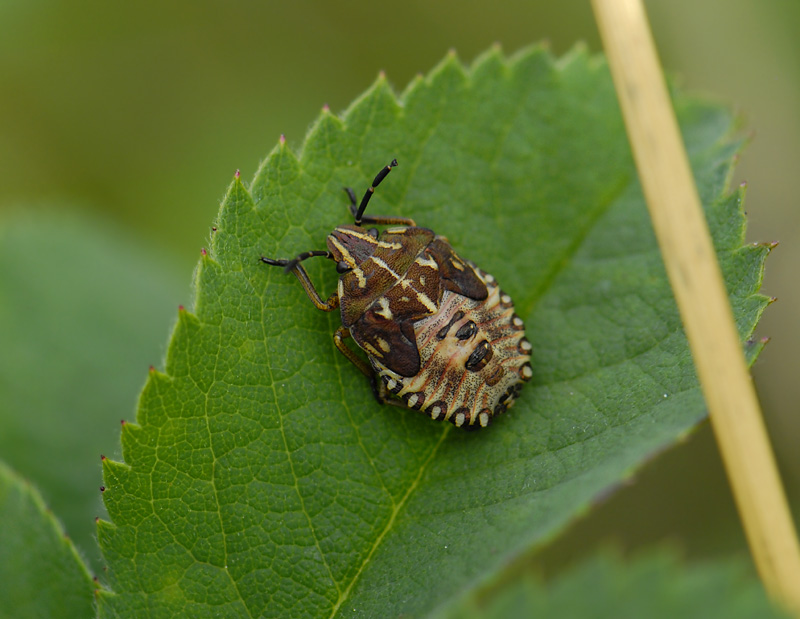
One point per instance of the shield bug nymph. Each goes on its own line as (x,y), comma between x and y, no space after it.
(439,334)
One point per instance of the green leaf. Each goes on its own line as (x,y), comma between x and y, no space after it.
(41,574)
(83,311)
(263,478)
(652,586)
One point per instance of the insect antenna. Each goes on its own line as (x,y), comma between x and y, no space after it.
(365,200)
(291,264)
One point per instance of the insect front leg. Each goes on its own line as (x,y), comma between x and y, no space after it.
(295,267)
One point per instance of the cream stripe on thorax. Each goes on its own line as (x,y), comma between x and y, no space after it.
(371,239)
(342,250)
(383,265)
(423,298)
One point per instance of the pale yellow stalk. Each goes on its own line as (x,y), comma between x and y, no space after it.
(697,283)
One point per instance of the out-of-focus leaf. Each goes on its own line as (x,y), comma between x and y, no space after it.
(655,586)
(41,574)
(83,312)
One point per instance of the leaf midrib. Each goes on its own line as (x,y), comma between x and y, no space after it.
(390,523)
(557,267)
(566,258)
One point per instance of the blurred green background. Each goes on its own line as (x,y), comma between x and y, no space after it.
(137,115)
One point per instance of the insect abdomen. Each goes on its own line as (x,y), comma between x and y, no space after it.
(474,359)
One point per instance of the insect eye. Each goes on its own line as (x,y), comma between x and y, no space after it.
(342,267)
(373,232)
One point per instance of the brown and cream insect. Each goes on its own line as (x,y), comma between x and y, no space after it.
(440,335)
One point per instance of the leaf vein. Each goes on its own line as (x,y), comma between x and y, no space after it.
(414,485)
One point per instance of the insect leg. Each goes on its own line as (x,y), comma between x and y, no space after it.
(295,267)
(342,333)
(378,388)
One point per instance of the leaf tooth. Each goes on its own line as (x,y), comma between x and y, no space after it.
(449,72)
(110,467)
(134,449)
(279,169)
(150,399)
(749,284)
(423,98)
(117,488)
(325,136)
(378,98)
(104,526)
(726,222)
(531,63)
(489,66)
(236,205)
(208,260)
(186,327)
(579,58)
(416,82)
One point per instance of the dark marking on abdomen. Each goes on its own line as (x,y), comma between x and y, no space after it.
(443,331)
(479,357)
(467,331)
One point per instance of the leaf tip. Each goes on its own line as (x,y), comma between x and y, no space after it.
(326,131)
(451,59)
(578,57)
(762,341)
(768,245)
(102,457)
(282,140)
(449,70)
(237,174)
(203,252)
